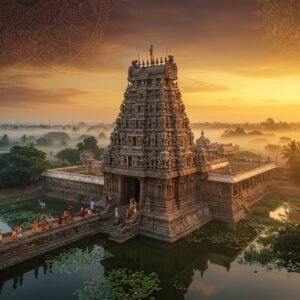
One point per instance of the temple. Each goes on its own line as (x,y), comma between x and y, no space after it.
(178,184)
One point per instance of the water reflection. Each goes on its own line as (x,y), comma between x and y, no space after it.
(281,213)
(286,212)
(175,264)
(192,268)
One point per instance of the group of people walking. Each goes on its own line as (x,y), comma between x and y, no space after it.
(66,217)
(45,224)
(129,214)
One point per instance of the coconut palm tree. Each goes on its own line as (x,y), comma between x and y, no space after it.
(291,151)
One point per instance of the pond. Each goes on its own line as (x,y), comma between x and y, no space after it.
(257,258)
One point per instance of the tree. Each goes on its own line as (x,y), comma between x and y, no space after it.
(270,121)
(63,142)
(90,144)
(4,140)
(295,170)
(272,148)
(291,151)
(24,139)
(42,141)
(22,165)
(70,155)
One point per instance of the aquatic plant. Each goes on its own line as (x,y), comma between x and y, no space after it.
(240,234)
(279,249)
(76,259)
(278,243)
(24,212)
(177,285)
(24,218)
(120,284)
(234,236)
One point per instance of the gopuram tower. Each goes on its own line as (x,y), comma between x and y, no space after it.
(152,156)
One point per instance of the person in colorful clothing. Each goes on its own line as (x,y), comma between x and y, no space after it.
(59,220)
(20,230)
(89,212)
(35,226)
(44,224)
(82,212)
(50,221)
(14,234)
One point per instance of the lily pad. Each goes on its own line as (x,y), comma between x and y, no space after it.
(76,259)
(120,284)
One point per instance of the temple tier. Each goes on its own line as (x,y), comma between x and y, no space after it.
(152,156)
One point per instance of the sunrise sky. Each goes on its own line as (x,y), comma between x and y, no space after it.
(230,66)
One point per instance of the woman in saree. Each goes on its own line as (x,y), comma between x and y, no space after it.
(82,212)
(66,216)
(14,234)
(60,220)
(70,214)
(35,226)
(89,212)
(50,221)
(20,230)
(44,224)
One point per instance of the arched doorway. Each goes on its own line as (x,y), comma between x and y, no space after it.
(130,188)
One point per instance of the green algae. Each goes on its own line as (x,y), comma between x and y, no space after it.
(120,284)
(74,260)
(277,244)
(24,212)
(234,236)
(269,242)
(276,250)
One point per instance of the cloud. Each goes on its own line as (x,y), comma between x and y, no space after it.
(29,97)
(194,86)
(268,71)
(18,77)
(24,89)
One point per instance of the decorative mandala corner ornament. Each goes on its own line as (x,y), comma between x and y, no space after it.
(281,22)
(51,32)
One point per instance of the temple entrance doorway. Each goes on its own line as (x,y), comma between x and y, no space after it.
(130,188)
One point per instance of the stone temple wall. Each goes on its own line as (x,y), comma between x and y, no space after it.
(230,202)
(171,209)
(34,245)
(73,187)
(218,198)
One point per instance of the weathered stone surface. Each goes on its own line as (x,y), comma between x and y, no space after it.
(70,186)
(14,252)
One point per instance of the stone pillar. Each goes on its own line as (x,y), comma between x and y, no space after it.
(142,192)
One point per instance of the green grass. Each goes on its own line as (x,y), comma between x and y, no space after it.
(17,195)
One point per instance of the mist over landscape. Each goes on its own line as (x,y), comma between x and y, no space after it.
(264,139)
(149,149)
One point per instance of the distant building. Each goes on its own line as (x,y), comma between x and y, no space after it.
(216,150)
(152,157)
